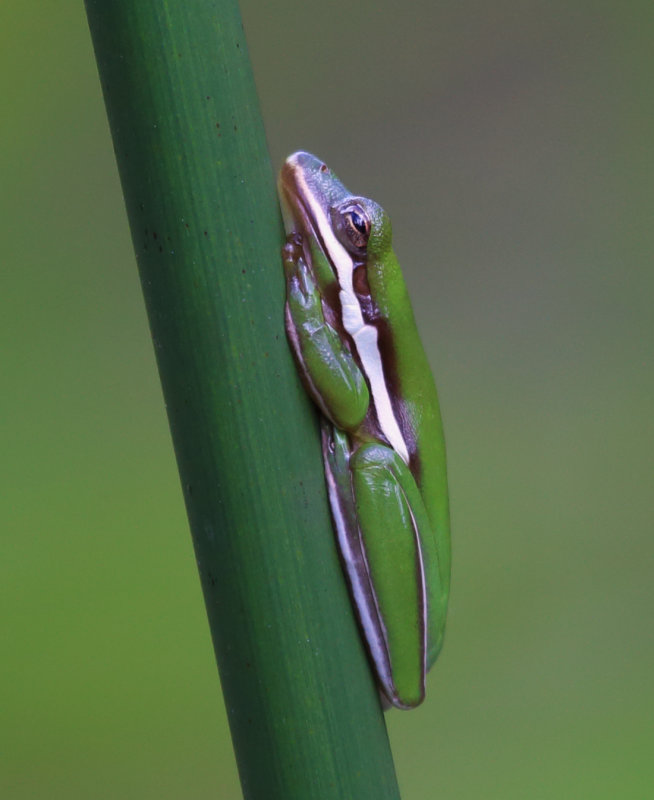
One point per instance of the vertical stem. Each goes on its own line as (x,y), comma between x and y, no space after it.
(199,191)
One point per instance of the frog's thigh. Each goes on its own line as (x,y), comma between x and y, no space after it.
(391,545)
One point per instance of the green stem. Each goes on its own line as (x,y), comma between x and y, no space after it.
(199,191)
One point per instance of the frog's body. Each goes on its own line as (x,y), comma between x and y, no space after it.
(351,327)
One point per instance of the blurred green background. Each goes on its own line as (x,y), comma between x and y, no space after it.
(511,144)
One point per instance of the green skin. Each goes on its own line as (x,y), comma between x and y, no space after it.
(353,334)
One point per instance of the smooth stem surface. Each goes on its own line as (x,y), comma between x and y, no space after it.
(200,196)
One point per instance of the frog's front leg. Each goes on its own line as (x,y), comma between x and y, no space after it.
(390,557)
(326,366)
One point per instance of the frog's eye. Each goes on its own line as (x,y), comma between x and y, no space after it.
(354,227)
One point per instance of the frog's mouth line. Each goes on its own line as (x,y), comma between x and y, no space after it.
(298,216)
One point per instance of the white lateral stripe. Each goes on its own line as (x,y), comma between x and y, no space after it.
(364,336)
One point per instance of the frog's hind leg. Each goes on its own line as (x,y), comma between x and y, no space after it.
(377,525)
(392,521)
(336,454)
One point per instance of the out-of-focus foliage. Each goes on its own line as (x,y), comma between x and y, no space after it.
(511,145)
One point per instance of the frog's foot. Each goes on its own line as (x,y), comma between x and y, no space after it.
(297,272)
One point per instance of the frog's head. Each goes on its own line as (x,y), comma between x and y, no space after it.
(318,206)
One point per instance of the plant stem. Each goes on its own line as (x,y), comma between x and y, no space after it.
(200,197)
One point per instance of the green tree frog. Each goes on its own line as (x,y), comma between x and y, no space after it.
(352,331)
